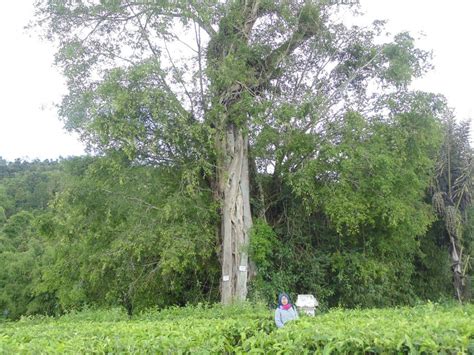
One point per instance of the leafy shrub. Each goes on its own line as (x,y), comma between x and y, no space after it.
(246,328)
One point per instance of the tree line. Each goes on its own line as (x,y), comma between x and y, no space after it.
(247,146)
(105,231)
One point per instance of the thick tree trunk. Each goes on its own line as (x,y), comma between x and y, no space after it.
(236,219)
(230,55)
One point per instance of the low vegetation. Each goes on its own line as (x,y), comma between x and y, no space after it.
(429,328)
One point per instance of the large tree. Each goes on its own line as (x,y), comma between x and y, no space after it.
(221,90)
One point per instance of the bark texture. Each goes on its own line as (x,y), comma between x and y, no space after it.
(236,218)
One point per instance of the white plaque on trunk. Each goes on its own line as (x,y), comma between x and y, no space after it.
(225,278)
(243,268)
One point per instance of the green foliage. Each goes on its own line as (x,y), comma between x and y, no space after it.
(17,276)
(404,60)
(263,242)
(294,263)
(430,328)
(28,186)
(364,280)
(247,328)
(341,156)
(382,151)
(132,112)
(348,222)
(451,197)
(433,276)
(265,247)
(17,226)
(97,241)
(25,190)
(129,235)
(3,217)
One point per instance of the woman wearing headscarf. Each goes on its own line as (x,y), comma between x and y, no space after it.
(285,310)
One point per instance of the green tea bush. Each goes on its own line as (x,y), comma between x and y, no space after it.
(246,328)
(423,329)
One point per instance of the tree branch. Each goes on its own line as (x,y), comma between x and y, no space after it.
(191,16)
(303,32)
(251,14)
(197,36)
(162,78)
(178,77)
(344,86)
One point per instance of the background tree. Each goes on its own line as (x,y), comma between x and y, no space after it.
(130,236)
(349,216)
(25,190)
(103,233)
(452,188)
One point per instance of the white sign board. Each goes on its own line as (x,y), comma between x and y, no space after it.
(306,301)
(307,304)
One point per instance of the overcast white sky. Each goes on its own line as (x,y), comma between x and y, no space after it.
(30,85)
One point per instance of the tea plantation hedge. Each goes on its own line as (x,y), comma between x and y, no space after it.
(427,329)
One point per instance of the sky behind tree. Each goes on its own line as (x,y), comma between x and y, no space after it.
(30,86)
